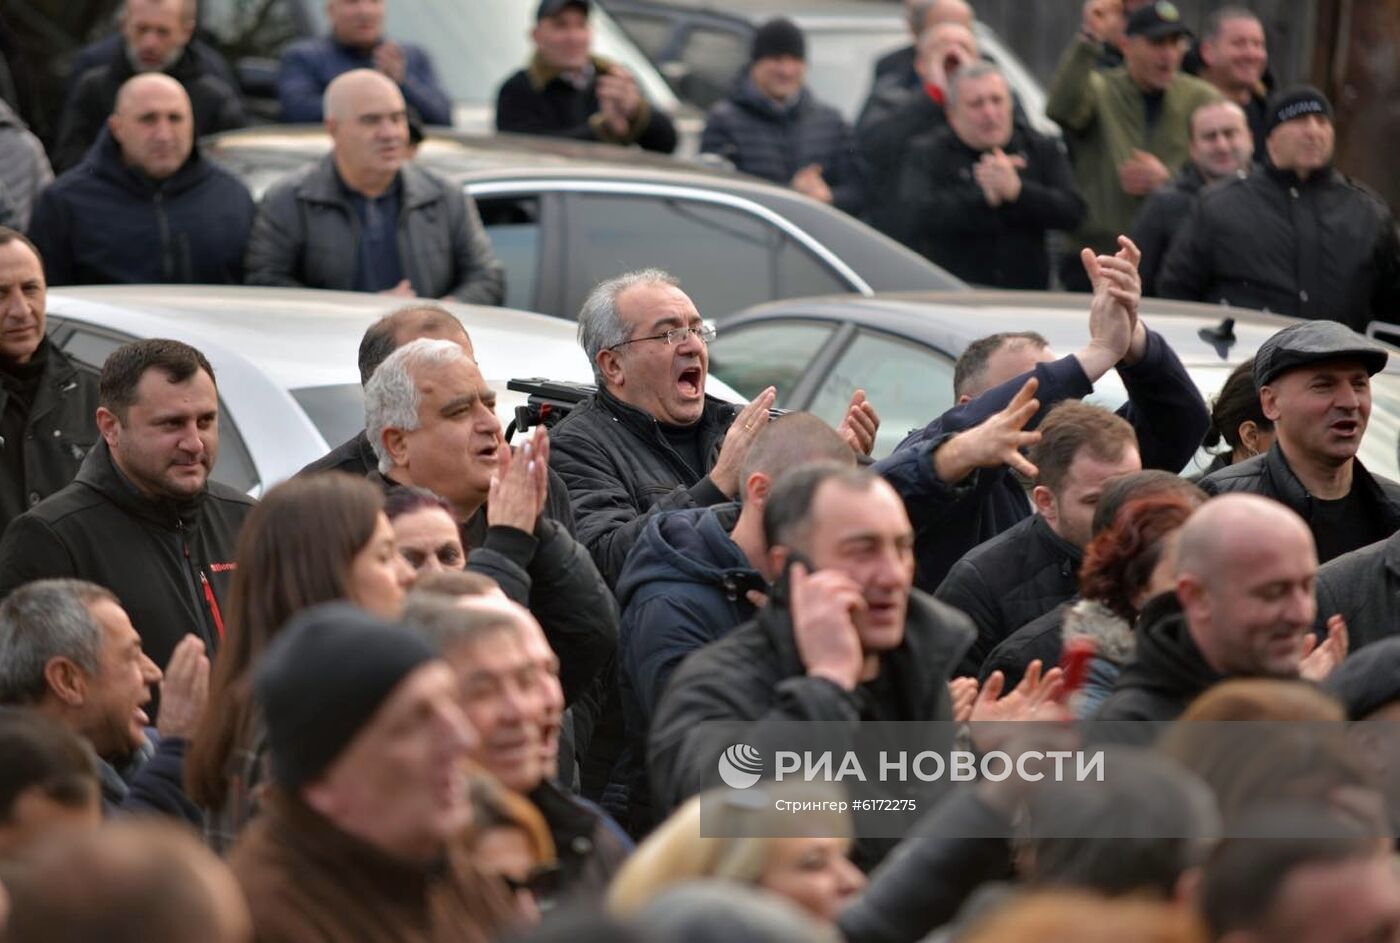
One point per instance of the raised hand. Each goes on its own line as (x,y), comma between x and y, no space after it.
(737,441)
(963,692)
(823,605)
(516,497)
(996,441)
(184,689)
(1319,661)
(860,424)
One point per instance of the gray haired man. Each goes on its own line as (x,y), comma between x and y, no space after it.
(430,417)
(68,650)
(651,439)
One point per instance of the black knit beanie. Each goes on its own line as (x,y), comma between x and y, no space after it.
(1293,103)
(323,678)
(778,37)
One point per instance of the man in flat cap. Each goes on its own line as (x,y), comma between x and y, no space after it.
(566,91)
(1298,238)
(359,838)
(1314,382)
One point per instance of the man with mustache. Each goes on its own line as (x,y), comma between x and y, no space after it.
(142,518)
(1314,383)
(145,204)
(1297,238)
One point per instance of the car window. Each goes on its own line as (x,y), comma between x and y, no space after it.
(650,31)
(714,58)
(337,410)
(848,58)
(907,383)
(773,353)
(235,466)
(243,28)
(726,259)
(513,223)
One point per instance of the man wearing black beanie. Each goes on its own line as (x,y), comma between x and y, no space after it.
(1299,238)
(772,127)
(360,837)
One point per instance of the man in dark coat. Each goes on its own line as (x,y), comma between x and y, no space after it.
(145,205)
(1164,407)
(773,127)
(981,194)
(1314,385)
(365,218)
(142,518)
(567,92)
(155,38)
(1363,586)
(47,405)
(650,440)
(1032,567)
(845,638)
(1243,607)
(356,41)
(1297,238)
(1220,148)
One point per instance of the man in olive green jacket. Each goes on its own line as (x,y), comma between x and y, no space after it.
(1127,128)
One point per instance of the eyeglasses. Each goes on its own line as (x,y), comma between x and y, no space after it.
(676,335)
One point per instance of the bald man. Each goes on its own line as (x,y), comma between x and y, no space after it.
(1243,607)
(155,37)
(144,205)
(364,218)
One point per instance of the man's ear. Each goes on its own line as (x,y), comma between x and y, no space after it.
(1268,403)
(1207,50)
(1044,500)
(964,399)
(67,683)
(395,443)
(756,489)
(610,368)
(108,425)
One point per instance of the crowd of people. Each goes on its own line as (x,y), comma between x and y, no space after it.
(441,686)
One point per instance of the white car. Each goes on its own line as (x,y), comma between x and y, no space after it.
(286,359)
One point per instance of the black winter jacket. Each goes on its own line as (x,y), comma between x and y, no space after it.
(1269,475)
(1168,671)
(216,105)
(1162,214)
(950,222)
(1364,586)
(892,118)
(150,782)
(773,141)
(353,457)
(60,428)
(1041,638)
(1164,407)
(755,676)
(538,100)
(1018,575)
(619,468)
(170,564)
(104,222)
(1321,248)
(590,846)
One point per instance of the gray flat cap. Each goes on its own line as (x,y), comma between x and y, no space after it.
(1314,342)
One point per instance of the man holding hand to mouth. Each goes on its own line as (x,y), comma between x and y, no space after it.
(650,439)
(1314,382)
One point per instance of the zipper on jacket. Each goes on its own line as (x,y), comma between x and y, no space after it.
(163,224)
(202,606)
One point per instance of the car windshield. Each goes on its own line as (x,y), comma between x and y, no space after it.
(337,411)
(477,44)
(1378,448)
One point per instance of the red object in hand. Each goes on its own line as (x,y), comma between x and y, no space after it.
(1074,662)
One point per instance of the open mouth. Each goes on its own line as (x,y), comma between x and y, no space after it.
(691,383)
(1346,427)
(141,717)
(488,453)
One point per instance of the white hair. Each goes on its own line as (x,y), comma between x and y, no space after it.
(599,323)
(391,395)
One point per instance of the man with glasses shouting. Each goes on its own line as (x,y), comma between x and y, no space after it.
(650,440)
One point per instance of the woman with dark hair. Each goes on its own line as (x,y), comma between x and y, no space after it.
(424,530)
(1237,418)
(1124,566)
(310,540)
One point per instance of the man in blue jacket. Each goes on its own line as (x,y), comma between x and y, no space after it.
(144,205)
(953,511)
(357,41)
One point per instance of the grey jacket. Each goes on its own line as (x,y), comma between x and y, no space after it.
(24,168)
(1364,586)
(307,234)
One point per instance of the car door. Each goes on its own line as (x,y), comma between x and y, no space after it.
(524,228)
(728,252)
(90,346)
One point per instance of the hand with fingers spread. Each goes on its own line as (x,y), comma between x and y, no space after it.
(860,424)
(516,497)
(995,442)
(1035,698)
(963,692)
(1320,660)
(738,440)
(823,606)
(184,689)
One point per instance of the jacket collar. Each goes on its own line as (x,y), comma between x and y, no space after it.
(540,74)
(1292,492)
(714,419)
(751,98)
(323,185)
(105,160)
(1057,545)
(100,473)
(1287,178)
(1168,658)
